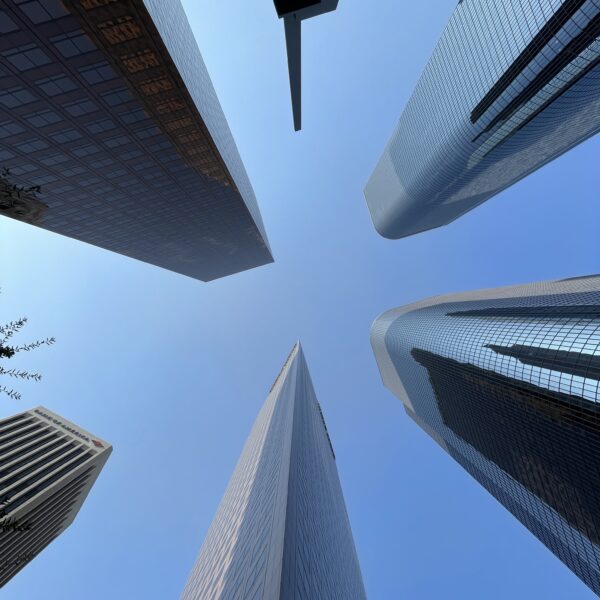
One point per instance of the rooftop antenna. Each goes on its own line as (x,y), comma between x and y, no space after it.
(293,12)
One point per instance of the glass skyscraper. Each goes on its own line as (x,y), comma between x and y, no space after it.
(108,108)
(511,85)
(507,382)
(281,530)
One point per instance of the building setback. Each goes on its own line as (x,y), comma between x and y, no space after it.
(511,85)
(281,530)
(48,465)
(507,382)
(109,109)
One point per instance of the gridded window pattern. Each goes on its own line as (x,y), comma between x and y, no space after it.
(159,188)
(511,85)
(45,473)
(281,530)
(507,381)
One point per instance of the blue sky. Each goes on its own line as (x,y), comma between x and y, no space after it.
(173,371)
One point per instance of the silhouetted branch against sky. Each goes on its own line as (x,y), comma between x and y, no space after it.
(7,351)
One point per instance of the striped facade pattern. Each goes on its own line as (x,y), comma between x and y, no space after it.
(47,468)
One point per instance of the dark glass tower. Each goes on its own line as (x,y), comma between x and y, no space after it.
(108,108)
(507,382)
(281,530)
(511,85)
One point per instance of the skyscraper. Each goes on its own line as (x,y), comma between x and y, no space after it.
(109,109)
(511,85)
(507,382)
(281,530)
(48,465)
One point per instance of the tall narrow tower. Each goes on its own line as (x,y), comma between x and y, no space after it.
(281,530)
(47,467)
(507,381)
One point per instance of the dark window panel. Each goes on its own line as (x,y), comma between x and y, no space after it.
(41,12)
(16,96)
(58,84)
(6,23)
(26,57)
(73,44)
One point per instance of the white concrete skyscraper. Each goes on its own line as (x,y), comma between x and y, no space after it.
(47,467)
(281,530)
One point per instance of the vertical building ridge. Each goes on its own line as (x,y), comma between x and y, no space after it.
(262,542)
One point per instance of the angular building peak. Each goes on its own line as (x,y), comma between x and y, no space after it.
(281,530)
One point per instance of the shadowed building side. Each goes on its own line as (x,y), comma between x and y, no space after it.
(108,108)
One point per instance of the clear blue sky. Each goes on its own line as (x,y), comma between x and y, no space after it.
(173,371)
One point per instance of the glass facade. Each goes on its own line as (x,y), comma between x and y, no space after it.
(281,530)
(511,85)
(507,381)
(108,108)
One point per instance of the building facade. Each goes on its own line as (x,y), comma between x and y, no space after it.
(48,466)
(281,530)
(109,120)
(507,381)
(511,85)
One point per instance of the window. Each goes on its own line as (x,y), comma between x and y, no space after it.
(32,146)
(100,126)
(6,23)
(97,73)
(131,154)
(119,140)
(26,57)
(102,162)
(55,159)
(16,96)
(44,117)
(44,179)
(147,132)
(10,128)
(85,150)
(83,107)
(39,13)
(58,84)
(23,168)
(134,116)
(76,170)
(117,97)
(67,135)
(73,44)
(5,154)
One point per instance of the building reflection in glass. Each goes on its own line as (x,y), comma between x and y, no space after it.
(507,381)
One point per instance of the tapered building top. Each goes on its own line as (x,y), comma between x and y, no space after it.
(281,530)
(293,12)
(507,381)
(108,107)
(511,85)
